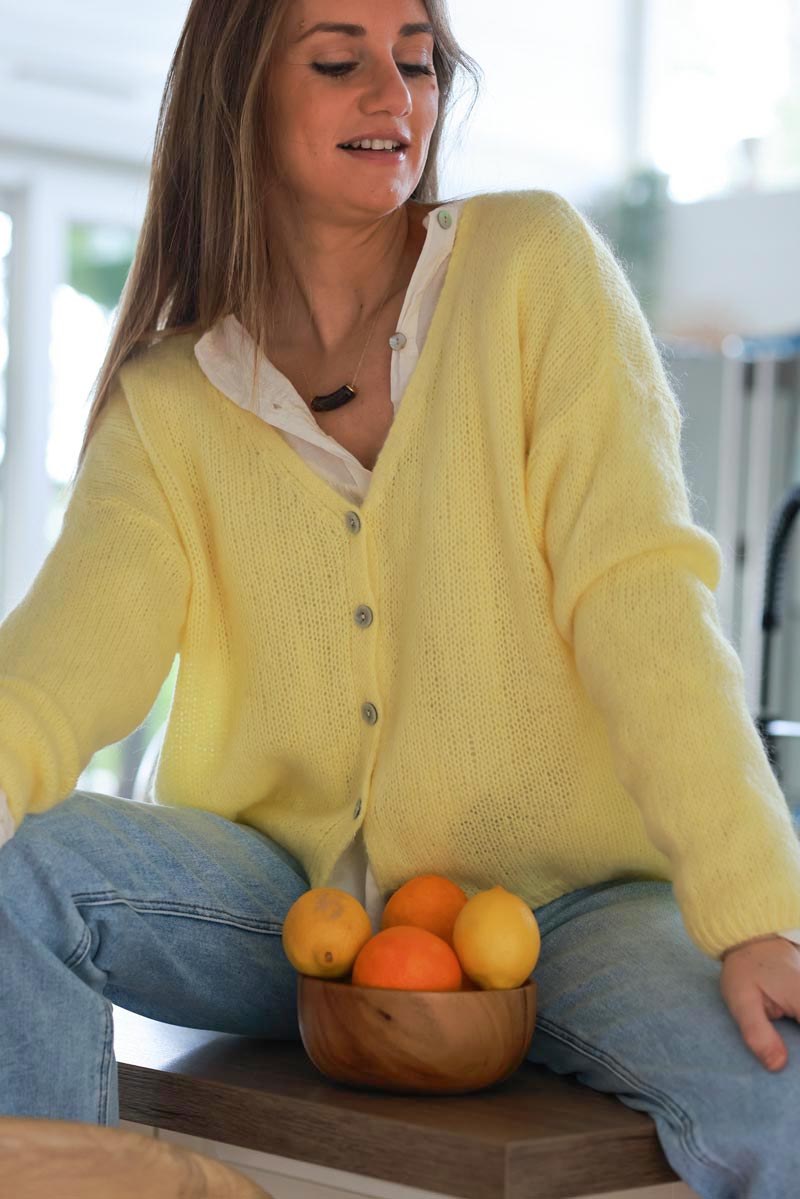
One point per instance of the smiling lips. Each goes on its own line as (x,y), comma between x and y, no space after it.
(377,139)
(375,143)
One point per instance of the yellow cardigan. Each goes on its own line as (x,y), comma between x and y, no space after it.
(506,663)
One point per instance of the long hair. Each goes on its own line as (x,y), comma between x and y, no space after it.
(203,249)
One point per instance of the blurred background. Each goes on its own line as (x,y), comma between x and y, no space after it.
(674,125)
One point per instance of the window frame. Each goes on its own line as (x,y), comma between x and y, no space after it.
(44,194)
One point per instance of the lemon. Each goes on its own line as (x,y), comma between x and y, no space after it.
(496,937)
(323,932)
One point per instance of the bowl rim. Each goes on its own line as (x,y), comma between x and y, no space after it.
(528,984)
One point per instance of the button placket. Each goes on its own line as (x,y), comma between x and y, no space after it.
(363,617)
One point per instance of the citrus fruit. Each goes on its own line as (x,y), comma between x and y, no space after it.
(428,901)
(404,958)
(323,932)
(497,939)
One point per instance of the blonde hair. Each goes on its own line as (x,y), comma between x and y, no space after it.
(203,249)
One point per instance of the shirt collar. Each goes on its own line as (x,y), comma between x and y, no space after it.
(225,351)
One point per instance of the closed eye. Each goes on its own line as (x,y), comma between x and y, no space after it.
(340,69)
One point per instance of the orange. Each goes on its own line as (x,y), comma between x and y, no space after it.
(428,901)
(407,959)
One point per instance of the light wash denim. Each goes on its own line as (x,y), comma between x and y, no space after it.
(628,1004)
(169,912)
(177,914)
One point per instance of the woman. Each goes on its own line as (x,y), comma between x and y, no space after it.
(471,633)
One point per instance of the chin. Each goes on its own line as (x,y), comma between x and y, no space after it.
(382,202)
(381,198)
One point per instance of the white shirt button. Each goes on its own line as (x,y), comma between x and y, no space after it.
(444,218)
(397,341)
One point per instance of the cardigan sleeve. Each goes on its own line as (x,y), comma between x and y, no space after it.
(632,597)
(82,657)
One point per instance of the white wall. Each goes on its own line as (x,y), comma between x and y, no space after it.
(732,264)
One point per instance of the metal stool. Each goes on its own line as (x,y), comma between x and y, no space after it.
(771,728)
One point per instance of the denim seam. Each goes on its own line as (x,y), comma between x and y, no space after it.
(189,911)
(80,951)
(105,1065)
(683,1119)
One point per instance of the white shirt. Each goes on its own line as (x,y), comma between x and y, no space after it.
(225,356)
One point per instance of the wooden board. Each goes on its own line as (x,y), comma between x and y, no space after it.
(534,1136)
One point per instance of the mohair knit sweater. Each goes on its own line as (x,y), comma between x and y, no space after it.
(506,663)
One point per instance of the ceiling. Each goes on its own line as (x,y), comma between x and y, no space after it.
(86,76)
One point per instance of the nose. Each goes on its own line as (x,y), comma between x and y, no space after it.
(387,90)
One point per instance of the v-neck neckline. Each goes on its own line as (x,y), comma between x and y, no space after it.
(406,412)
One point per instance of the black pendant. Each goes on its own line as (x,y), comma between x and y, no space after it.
(334,400)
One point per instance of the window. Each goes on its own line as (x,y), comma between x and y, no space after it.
(6,238)
(551,112)
(84,306)
(723,110)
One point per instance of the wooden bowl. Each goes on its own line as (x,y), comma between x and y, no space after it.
(415,1042)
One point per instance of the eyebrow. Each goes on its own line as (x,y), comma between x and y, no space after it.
(360,31)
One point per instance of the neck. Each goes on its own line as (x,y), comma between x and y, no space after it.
(331,279)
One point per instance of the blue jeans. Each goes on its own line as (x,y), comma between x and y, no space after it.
(169,912)
(177,914)
(629,1005)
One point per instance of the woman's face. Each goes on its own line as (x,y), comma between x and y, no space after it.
(370,76)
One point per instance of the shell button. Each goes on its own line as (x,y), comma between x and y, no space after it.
(369,713)
(444,218)
(353,522)
(398,340)
(363,616)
